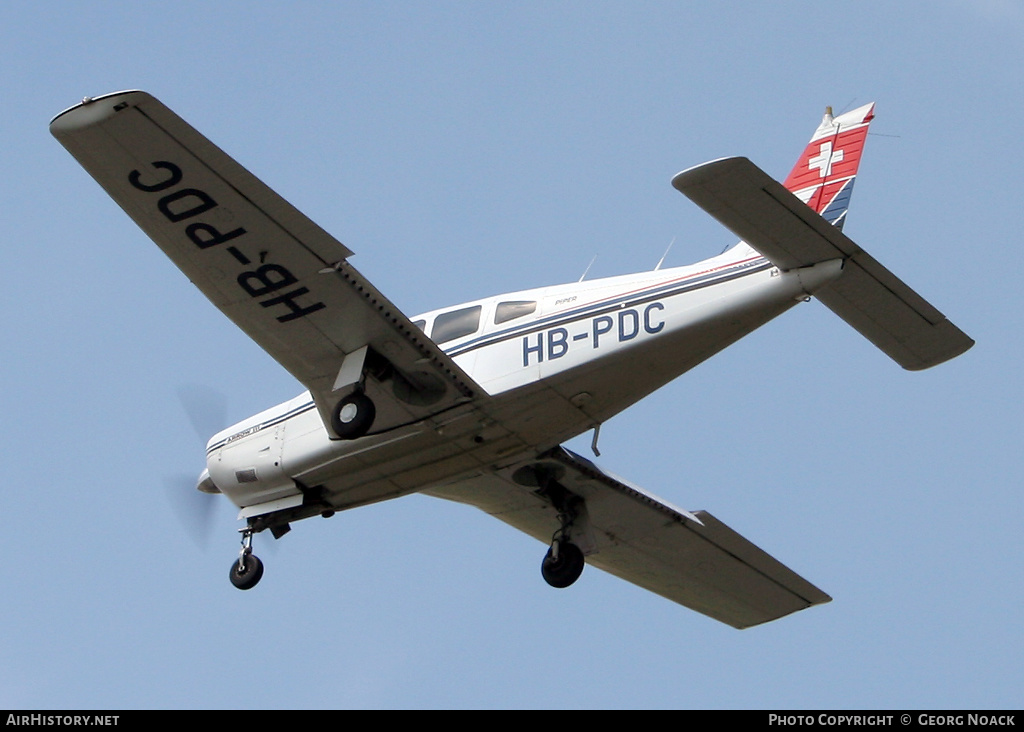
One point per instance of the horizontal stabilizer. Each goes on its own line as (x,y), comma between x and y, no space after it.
(869,297)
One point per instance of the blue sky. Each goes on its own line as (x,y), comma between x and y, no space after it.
(467,149)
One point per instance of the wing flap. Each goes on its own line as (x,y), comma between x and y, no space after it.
(869,297)
(692,559)
(275,273)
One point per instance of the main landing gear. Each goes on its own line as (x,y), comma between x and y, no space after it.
(248,569)
(564,562)
(353,416)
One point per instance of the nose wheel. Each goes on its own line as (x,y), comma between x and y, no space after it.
(247,570)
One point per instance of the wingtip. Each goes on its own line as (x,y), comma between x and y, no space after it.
(93,109)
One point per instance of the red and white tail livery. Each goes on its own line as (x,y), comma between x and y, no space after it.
(823,176)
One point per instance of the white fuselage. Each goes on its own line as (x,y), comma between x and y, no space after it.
(555,362)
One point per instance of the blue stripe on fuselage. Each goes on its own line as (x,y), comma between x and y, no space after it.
(614,303)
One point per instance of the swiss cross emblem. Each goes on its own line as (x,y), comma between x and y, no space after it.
(825,159)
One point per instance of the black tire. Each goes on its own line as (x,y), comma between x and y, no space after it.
(245,577)
(353,416)
(565,570)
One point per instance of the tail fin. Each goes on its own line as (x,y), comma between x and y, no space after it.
(823,176)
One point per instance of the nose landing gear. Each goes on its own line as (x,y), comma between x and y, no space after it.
(248,569)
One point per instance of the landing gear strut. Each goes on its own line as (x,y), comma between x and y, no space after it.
(248,569)
(564,562)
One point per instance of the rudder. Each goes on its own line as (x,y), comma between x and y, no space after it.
(824,174)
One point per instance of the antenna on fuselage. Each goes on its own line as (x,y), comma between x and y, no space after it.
(660,261)
(584,275)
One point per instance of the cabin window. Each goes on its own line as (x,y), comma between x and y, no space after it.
(513,309)
(421,324)
(455,324)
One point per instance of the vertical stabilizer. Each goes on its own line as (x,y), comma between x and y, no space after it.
(824,174)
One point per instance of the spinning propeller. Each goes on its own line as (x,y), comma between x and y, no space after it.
(206,409)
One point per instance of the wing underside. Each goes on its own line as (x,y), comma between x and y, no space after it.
(690,558)
(281,278)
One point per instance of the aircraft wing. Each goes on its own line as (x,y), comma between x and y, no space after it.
(281,278)
(690,558)
(869,297)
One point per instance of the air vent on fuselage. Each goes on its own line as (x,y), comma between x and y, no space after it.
(246,476)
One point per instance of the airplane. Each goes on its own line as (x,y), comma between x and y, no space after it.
(472,403)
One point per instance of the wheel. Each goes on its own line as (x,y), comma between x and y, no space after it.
(353,416)
(565,570)
(245,577)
